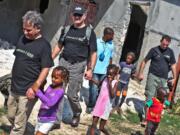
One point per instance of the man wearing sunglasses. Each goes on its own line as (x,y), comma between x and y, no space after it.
(78,52)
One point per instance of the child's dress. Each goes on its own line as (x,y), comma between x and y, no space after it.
(104,103)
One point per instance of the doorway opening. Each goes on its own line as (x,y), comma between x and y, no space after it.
(135,33)
(43,5)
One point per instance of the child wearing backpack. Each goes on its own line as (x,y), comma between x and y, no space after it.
(154,111)
(104,102)
(50,100)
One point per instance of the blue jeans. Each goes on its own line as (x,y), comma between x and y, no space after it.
(94,90)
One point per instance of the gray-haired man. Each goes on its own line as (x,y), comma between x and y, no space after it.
(30,68)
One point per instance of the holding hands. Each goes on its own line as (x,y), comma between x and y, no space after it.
(30,93)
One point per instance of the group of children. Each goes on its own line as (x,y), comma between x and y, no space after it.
(112,87)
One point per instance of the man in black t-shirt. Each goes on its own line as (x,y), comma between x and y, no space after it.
(31,66)
(162,61)
(79,51)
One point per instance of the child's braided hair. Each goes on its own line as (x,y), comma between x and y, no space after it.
(112,67)
(64,73)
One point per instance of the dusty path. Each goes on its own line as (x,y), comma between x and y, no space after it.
(86,119)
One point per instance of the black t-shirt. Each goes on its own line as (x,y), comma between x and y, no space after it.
(76,47)
(30,57)
(161,60)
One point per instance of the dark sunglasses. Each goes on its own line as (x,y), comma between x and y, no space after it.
(78,15)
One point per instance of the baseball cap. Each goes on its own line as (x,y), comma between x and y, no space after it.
(79,10)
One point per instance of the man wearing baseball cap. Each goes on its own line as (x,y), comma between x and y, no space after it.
(79,10)
(79,52)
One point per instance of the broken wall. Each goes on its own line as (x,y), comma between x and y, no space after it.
(56,15)
(117,17)
(163,19)
(11,12)
(62,15)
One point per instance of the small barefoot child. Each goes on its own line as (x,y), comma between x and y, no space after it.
(154,110)
(50,100)
(104,102)
(127,70)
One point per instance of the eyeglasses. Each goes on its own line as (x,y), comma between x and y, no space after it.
(78,15)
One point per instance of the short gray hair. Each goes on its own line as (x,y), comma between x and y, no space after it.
(34,17)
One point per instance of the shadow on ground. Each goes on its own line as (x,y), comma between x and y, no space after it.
(67,113)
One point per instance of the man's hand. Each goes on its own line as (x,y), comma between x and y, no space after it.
(30,93)
(141,69)
(88,74)
(172,81)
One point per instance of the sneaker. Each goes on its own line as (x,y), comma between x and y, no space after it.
(119,111)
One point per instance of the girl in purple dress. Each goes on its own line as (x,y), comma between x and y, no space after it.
(50,99)
(105,99)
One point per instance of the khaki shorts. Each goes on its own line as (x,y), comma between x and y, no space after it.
(152,84)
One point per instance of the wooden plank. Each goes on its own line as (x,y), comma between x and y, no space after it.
(173,91)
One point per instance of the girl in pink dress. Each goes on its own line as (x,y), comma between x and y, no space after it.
(105,99)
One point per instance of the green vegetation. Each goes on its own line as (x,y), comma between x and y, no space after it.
(132,117)
(129,124)
(125,124)
(2,111)
(170,122)
(169,125)
(176,108)
(128,117)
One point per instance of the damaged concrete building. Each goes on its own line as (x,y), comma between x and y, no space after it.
(138,24)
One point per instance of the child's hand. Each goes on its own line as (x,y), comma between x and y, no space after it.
(30,93)
(109,78)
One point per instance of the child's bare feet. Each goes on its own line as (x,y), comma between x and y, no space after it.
(119,111)
(113,110)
